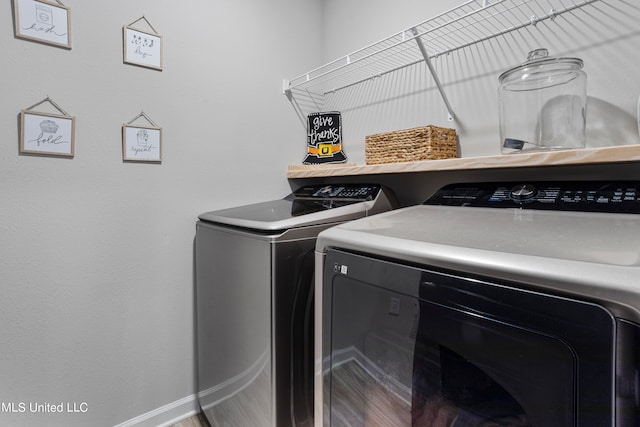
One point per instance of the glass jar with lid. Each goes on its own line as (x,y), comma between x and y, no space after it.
(543,104)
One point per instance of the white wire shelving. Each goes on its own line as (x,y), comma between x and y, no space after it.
(472,22)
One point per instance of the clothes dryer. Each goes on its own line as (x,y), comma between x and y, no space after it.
(502,304)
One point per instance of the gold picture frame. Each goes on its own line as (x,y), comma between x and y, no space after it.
(140,47)
(47,134)
(141,143)
(43,21)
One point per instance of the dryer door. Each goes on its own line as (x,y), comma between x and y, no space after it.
(414,347)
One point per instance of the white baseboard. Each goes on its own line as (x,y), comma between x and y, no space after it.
(166,415)
(234,385)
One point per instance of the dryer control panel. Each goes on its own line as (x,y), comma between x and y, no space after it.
(584,196)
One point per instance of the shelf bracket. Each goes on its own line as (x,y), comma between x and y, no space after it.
(427,60)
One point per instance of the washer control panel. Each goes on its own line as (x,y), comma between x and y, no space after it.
(587,196)
(358,192)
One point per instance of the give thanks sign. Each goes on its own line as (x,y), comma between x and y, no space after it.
(324,139)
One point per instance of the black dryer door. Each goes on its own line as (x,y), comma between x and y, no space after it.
(411,346)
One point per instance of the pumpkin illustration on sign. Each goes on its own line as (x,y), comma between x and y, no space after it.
(324,139)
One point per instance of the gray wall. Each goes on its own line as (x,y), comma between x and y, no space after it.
(96,260)
(97,254)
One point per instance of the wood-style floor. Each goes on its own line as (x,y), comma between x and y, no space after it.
(363,401)
(355,388)
(196,421)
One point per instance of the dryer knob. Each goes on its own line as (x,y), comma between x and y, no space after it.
(523,193)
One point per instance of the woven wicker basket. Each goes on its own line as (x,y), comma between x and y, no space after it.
(410,145)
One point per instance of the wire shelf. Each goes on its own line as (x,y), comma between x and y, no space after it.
(470,23)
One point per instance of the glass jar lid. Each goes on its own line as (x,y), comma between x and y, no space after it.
(539,64)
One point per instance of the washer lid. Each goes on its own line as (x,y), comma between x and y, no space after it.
(286,214)
(309,205)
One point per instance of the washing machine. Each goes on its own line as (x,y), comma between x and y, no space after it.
(491,304)
(254,302)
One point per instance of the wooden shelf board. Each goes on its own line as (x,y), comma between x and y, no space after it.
(624,153)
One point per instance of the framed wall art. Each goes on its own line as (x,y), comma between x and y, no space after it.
(142,143)
(43,21)
(143,48)
(47,133)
